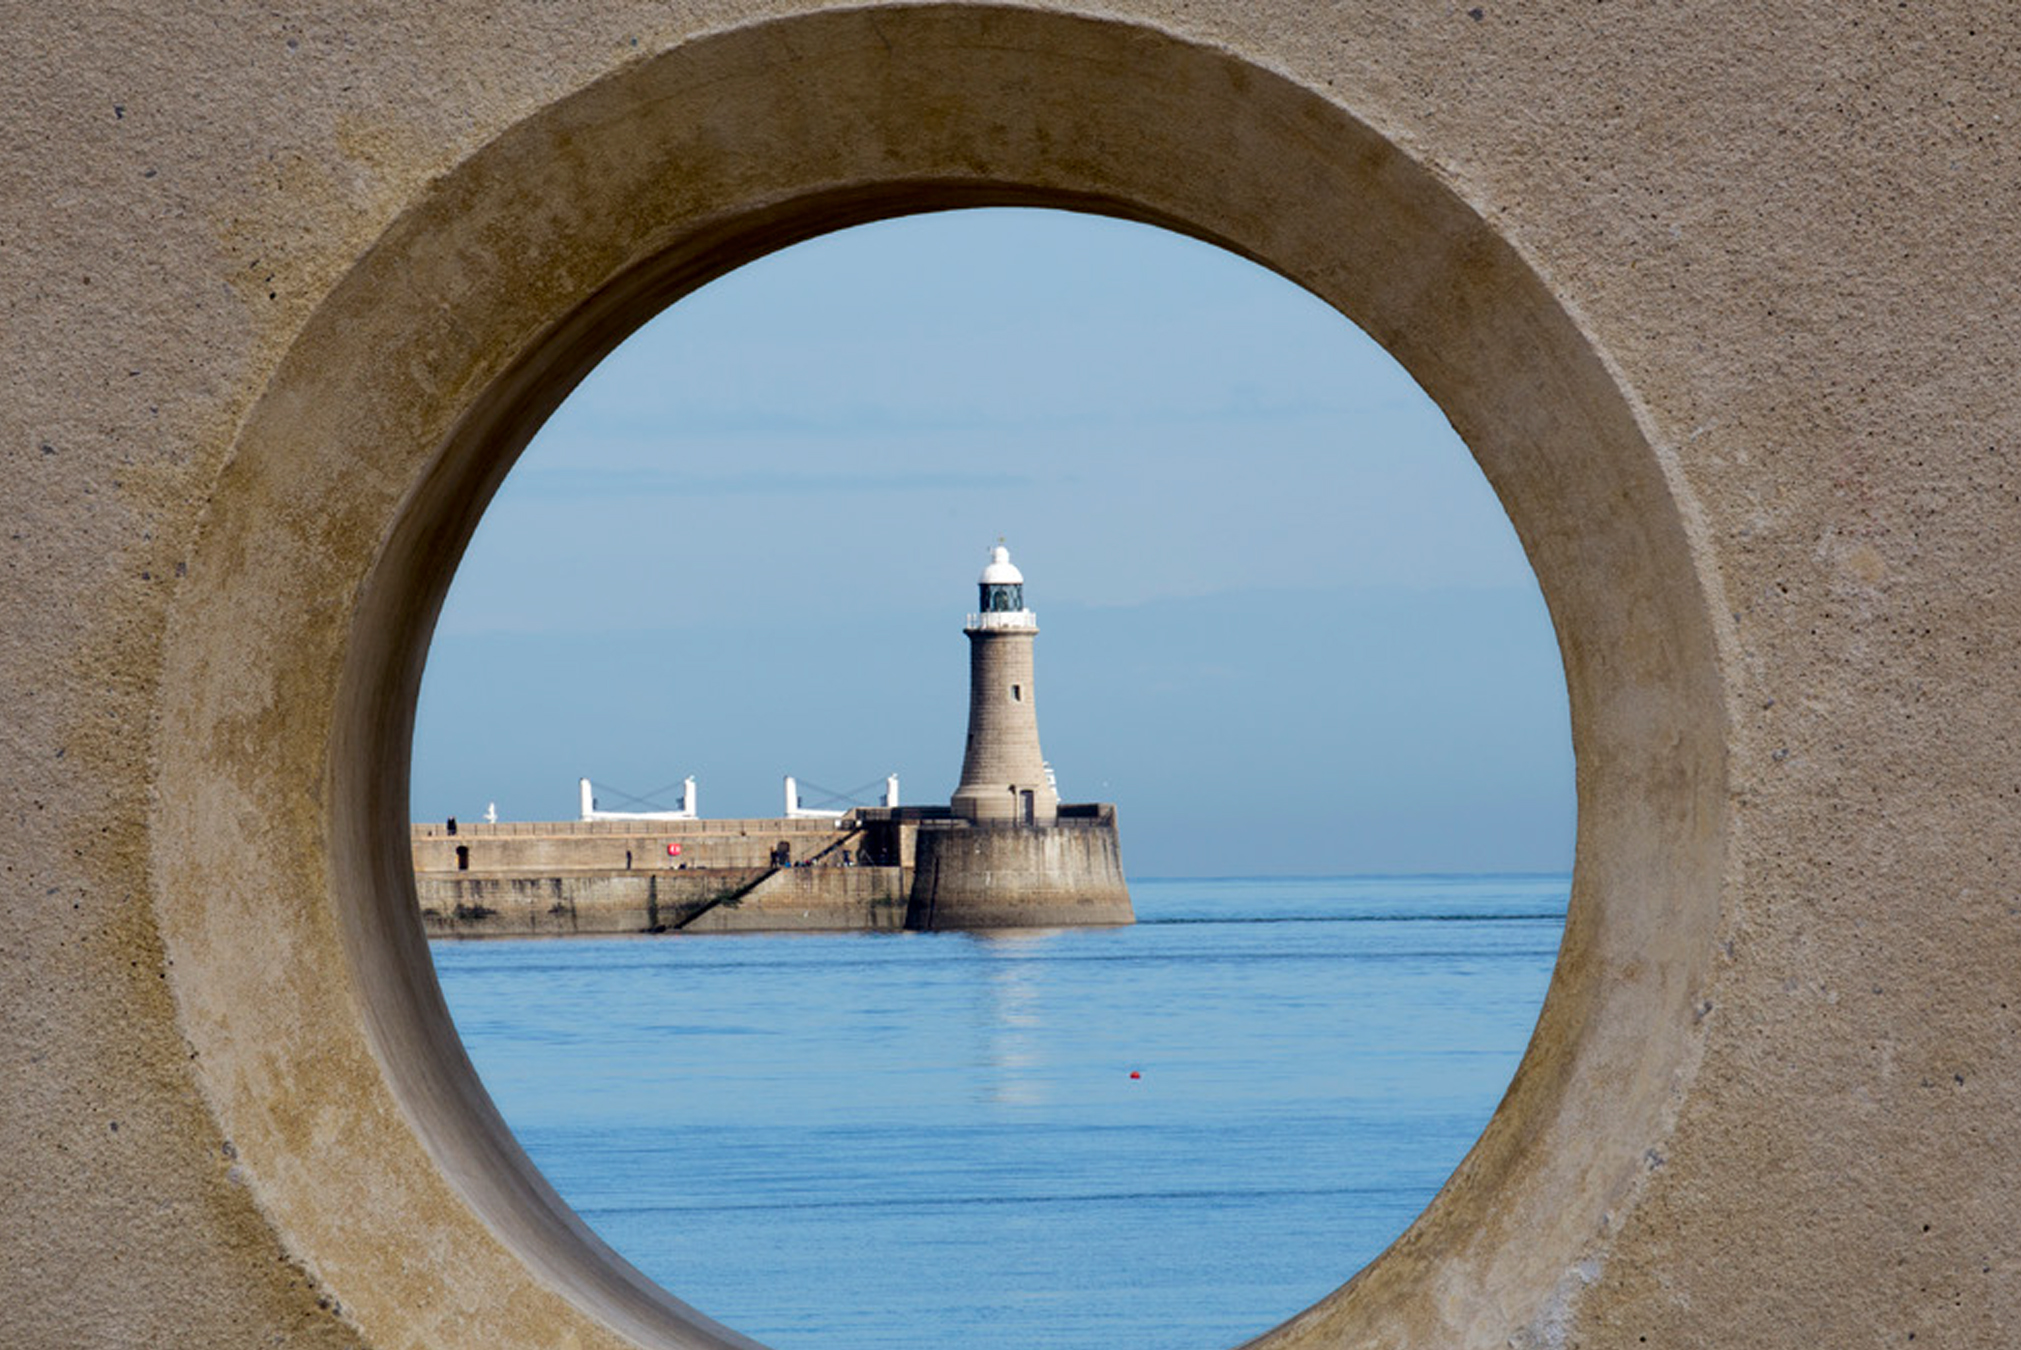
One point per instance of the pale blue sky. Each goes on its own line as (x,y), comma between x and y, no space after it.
(1285,625)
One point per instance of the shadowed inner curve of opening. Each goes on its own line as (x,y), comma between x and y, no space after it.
(1285,628)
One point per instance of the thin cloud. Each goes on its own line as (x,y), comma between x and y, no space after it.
(588,484)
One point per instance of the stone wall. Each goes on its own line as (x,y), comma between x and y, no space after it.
(713,900)
(555,878)
(1008,876)
(816,899)
(1723,296)
(553,847)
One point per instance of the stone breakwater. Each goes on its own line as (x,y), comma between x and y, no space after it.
(699,900)
(874,869)
(1008,876)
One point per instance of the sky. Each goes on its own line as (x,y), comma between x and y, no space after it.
(1284,624)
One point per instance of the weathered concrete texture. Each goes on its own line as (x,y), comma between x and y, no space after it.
(604,904)
(815,899)
(1722,295)
(711,900)
(1018,876)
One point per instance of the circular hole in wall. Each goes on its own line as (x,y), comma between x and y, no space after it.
(293,657)
(1286,629)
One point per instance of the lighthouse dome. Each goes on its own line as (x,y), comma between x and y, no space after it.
(1000,572)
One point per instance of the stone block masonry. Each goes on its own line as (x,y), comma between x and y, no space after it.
(700,900)
(877,868)
(559,847)
(970,875)
(591,878)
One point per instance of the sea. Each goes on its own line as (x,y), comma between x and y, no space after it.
(1175,1134)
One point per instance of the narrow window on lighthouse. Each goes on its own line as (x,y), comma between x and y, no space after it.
(1017,694)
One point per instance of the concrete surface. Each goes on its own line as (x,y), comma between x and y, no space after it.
(620,845)
(1723,296)
(1019,876)
(712,900)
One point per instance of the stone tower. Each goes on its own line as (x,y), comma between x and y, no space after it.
(1004,853)
(1003,775)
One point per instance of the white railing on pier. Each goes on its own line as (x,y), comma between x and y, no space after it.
(686,811)
(797,809)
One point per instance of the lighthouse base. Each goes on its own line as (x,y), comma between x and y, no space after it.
(1065,874)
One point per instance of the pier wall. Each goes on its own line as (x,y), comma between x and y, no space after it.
(698,900)
(617,845)
(562,878)
(810,899)
(970,875)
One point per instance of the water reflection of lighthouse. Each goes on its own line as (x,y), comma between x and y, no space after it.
(1013,1020)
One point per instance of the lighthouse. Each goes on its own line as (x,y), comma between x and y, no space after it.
(1003,774)
(1004,852)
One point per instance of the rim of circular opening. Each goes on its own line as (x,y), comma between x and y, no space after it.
(296,644)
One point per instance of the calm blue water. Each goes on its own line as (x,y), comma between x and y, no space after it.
(836,1142)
